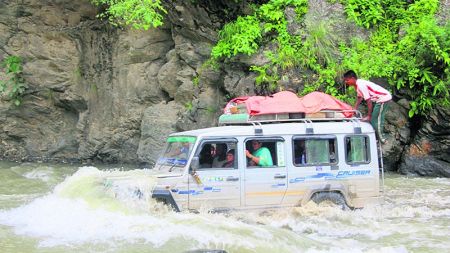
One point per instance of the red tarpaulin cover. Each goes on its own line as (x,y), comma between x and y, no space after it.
(289,102)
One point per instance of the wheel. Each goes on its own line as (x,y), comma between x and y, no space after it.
(334,197)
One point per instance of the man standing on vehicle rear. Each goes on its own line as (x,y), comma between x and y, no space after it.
(370,92)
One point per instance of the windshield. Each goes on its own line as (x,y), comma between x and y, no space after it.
(176,154)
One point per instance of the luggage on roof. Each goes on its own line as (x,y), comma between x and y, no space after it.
(285,106)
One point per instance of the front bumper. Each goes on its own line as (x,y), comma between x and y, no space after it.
(166,197)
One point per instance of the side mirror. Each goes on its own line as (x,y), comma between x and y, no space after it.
(195,164)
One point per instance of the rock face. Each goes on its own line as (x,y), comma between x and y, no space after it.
(429,153)
(97,93)
(45,126)
(398,133)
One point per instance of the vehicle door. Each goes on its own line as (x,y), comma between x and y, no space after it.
(265,182)
(216,182)
(315,161)
(362,170)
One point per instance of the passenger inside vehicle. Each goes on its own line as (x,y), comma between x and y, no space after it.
(300,152)
(230,159)
(205,157)
(332,152)
(182,151)
(261,156)
(220,156)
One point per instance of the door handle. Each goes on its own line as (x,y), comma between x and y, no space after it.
(232,179)
(278,176)
(334,167)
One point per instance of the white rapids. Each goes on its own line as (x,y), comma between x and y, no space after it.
(95,210)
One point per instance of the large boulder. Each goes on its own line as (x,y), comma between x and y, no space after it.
(38,131)
(397,132)
(429,153)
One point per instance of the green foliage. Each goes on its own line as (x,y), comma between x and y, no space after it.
(408,48)
(313,49)
(318,53)
(244,36)
(212,64)
(267,24)
(188,106)
(321,42)
(139,14)
(264,76)
(239,37)
(364,12)
(196,81)
(13,84)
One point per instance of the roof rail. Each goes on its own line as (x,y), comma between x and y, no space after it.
(323,116)
(258,128)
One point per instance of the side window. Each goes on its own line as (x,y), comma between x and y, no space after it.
(357,149)
(264,153)
(314,151)
(218,155)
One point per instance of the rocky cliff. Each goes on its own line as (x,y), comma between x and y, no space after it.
(98,93)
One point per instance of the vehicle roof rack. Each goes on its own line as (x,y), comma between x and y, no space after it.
(321,116)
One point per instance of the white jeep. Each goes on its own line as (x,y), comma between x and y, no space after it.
(320,159)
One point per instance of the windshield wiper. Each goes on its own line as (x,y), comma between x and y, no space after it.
(178,163)
(170,169)
(161,164)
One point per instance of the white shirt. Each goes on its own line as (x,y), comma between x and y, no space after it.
(372,91)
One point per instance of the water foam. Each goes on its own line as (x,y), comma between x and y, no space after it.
(101,207)
(83,210)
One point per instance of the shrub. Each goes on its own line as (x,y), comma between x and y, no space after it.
(13,84)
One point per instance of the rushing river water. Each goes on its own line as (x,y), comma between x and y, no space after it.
(59,208)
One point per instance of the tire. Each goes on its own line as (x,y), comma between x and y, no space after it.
(334,197)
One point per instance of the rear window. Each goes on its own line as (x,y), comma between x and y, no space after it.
(357,149)
(314,151)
